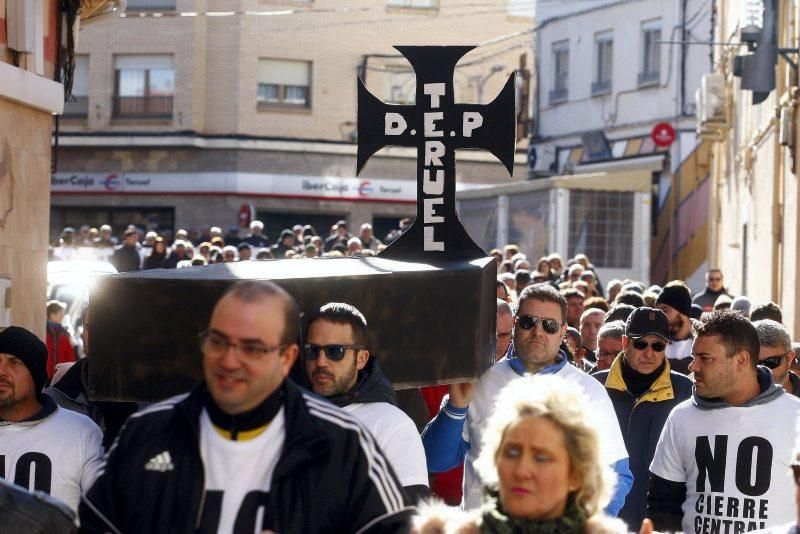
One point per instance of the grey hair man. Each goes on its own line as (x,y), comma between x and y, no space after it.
(777,354)
(609,344)
(505,327)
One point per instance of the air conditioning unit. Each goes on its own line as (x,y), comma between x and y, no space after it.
(21,29)
(712,115)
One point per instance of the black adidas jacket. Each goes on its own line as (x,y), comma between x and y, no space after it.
(331,476)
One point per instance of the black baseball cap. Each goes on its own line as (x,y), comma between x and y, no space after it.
(646,321)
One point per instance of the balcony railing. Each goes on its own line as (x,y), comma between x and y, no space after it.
(648,78)
(601,87)
(150,5)
(558,95)
(77,107)
(143,107)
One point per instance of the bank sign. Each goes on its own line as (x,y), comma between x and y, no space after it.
(238,183)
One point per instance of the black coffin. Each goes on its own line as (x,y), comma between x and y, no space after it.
(428,322)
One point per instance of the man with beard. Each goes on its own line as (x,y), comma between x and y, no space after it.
(539,327)
(714,289)
(776,353)
(722,461)
(42,447)
(340,368)
(675,300)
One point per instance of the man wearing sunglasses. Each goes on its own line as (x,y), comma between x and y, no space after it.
(340,368)
(777,354)
(644,391)
(713,290)
(722,461)
(539,328)
(246,450)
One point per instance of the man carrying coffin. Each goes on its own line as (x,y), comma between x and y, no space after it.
(246,450)
(722,462)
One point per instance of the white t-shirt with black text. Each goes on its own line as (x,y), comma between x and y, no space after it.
(60,454)
(398,438)
(734,462)
(238,475)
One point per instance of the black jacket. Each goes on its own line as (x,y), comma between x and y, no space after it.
(330,477)
(22,512)
(126,259)
(641,421)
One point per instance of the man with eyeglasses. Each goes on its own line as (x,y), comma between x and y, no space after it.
(644,391)
(246,450)
(504,325)
(722,461)
(609,344)
(777,354)
(339,367)
(713,290)
(539,328)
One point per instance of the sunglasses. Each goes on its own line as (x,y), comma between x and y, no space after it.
(527,322)
(641,344)
(796,471)
(332,352)
(773,362)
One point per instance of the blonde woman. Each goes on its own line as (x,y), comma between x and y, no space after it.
(541,464)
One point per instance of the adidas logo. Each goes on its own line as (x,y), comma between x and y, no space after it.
(160,462)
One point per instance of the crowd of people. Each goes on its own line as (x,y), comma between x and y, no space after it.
(610,407)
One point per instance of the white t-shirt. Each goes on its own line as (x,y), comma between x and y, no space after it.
(734,462)
(60,455)
(238,476)
(397,437)
(482,406)
(679,350)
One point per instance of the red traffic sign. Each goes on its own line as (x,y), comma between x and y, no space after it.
(663,134)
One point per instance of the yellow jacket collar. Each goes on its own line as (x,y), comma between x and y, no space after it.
(661,390)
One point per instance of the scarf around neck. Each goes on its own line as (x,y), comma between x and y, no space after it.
(495,520)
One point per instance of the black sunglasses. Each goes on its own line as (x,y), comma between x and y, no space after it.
(641,344)
(773,362)
(332,352)
(527,322)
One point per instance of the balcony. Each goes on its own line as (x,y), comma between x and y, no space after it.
(150,5)
(601,87)
(143,107)
(648,78)
(558,95)
(77,107)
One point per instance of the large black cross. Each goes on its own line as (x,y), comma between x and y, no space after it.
(437,126)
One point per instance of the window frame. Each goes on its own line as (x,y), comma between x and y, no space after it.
(149,99)
(282,102)
(648,75)
(560,91)
(603,67)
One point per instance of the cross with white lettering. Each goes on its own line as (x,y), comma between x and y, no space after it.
(437,126)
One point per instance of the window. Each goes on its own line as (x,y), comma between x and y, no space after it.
(560,92)
(650,72)
(283,82)
(601,226)
(423,4)
(144,86)
(603,50)
(402,87)
(150,5)
(77,107)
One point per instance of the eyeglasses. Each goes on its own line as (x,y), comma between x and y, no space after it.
(217,345)
(332,352)
(641,344)
(796,471)
(607,354)
(773,362)
(503,335)
(527,322)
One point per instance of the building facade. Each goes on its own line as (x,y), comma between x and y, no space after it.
(186,110)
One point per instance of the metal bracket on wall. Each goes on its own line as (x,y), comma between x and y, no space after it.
(784,52)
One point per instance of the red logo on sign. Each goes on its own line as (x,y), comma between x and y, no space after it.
(663,134)
(365,189)
(111,182)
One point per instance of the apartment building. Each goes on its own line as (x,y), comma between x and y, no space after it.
(186,111)
(28,99)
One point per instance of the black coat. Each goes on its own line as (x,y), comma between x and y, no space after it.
(330,477)
(126,259)
(641,421)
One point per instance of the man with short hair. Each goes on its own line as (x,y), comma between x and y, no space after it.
(539,327)
(574,307)
(354,246)
(368,240)
(42,447)
(504,326)
(776,353)
(591,322)
(766,310)
(339,367)
(256,237)
(522,279)
(609,343)
(675,301)
(126,256)
(59,344)
(228,254)
(246,450)
(644,391)
(339,237)
(177,254)
(722,462)
(244,250)
(105,240)
(713,290)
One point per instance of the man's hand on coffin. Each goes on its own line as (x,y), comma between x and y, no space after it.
(461,394)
